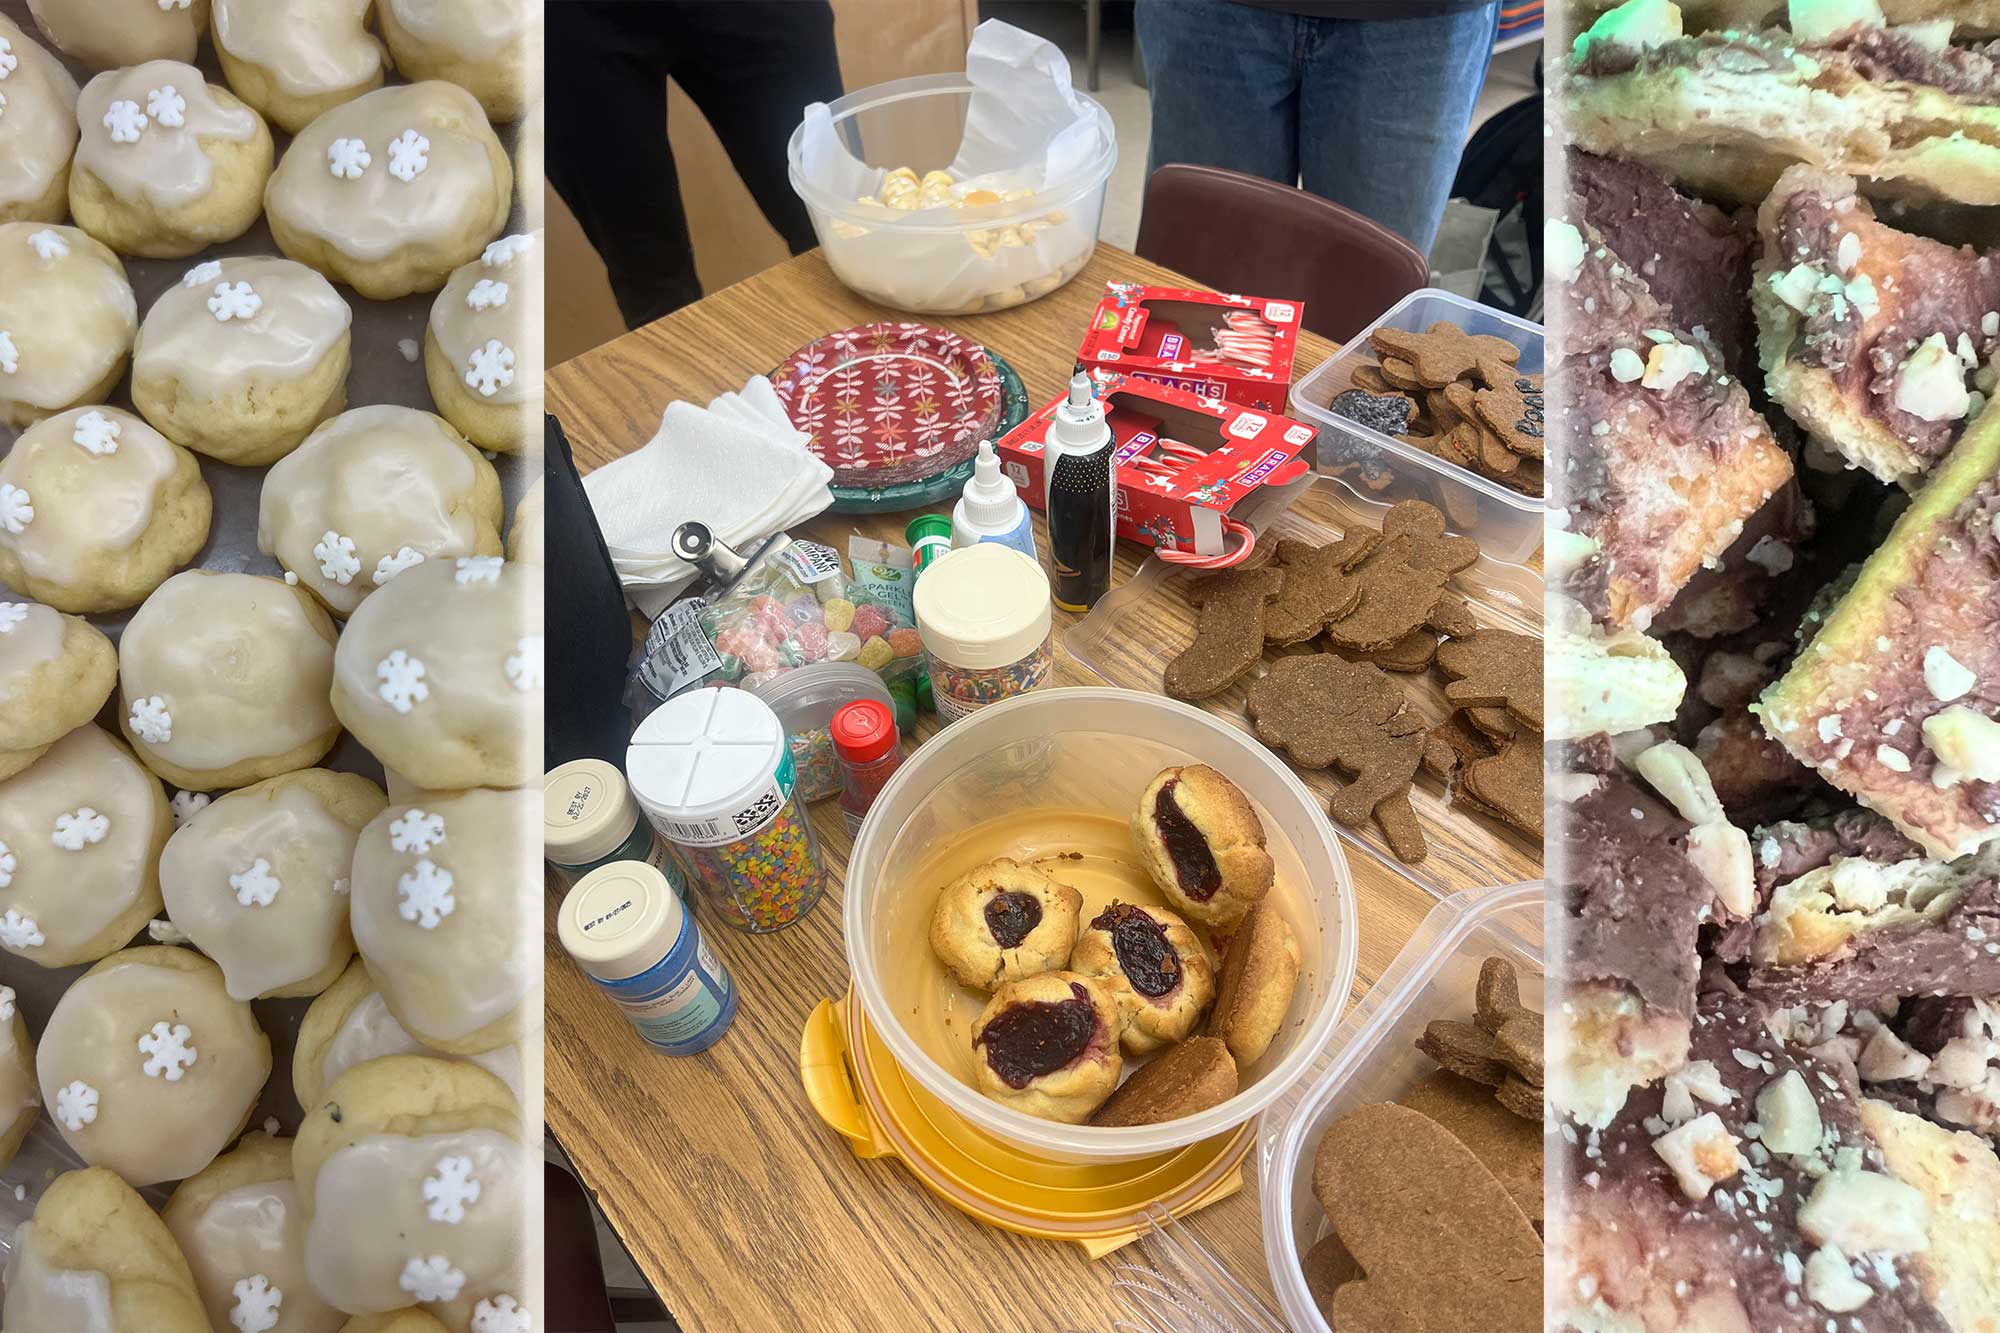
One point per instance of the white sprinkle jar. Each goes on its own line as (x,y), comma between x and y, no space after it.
(589,819)
(627,929)
(983,616)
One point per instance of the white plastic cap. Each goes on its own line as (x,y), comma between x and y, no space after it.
(989,497)
(704,755)
(1078,426)
(619,920)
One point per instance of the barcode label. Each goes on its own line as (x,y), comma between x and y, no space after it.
(678,651)
(725,829)
(810,562)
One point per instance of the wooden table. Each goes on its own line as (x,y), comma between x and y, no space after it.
(742,1209)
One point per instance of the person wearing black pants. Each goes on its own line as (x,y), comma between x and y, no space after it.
(752,66)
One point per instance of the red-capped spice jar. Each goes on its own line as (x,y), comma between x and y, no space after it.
(865,740)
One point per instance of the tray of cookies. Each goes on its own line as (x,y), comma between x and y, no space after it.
(1397,669)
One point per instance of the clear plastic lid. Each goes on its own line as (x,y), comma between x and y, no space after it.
(807,698)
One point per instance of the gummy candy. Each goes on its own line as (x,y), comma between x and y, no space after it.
(869,622)
(811,640)
(905,642)
(876,653)
(803,610)
(842,646)
(839,614)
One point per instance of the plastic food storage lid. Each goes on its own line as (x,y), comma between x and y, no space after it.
(704,754)
(619,920)
(983,606)
(807,698)
(864,730)
(587,811)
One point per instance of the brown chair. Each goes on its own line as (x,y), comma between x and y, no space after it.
(1241,233)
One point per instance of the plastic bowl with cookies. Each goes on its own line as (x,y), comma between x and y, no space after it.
(1052,779)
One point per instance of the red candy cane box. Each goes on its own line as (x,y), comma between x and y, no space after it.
(1189,468)
(1236,348)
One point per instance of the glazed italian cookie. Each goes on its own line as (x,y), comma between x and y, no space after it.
(390,192)
(1048,1046)
(442,914)
(67,316)
(294,59)
(1203,845)
(1004,921)
(105,34)
(413,1176)
(1154,965)
(440,673)
(94,1259)
(258,880)
(242,1228)
(167,163)
(525,538)
(490,48)
(371,493)
(242,358)
(483,352)
(81,830)
(148,1067)
(224,680)
(38,135)
(96,509)
(56,671)
(19,1102)
(350,1024)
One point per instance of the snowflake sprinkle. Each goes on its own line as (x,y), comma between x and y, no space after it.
(188,804)
(416,831)
(150,721)
(161,930)
(96,433)
(389,566)
(234,301)
(490,368)
(9,863)
(76,1105)
(506,250)
(402,678)
(17,510)
(19,932)
(166,106)
(6,1004)
(479,569)
(347,158)
(447,1193)
(257,1302)
(336,557)
(125,121)
(9,62)
(524,668)
(165,5)
(432,1279)
(9,355)
(409,154)
(12,614)
(340,887)
(49,246)
(257,886)
(486,294)
(424,895)
(79,828)
(168,1051)
(206,271)
(501,1314)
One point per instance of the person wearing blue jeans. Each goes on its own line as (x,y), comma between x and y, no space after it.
(1364,102)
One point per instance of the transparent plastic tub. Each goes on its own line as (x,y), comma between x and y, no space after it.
(1373,1058)
(1506,524)
(947,261)
(1076,754)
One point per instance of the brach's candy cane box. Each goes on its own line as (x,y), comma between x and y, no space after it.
(1169,495)
(1217,345)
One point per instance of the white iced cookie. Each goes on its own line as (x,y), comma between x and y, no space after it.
(81,830)
(56,671)
(243,1230)
(524,536)
(528,173)
(148,1067)
(444,914)
(483,349)
(491,48)
(440,673)
(413,1175)
(241,358)
(67,316)
(258,880)
(104,34)
(19,1100)
(95,1259)
(224,680)
(390,192)
(96,509)
(349,1023)
(372,493)
(293,59)
(167,163)
(37,129)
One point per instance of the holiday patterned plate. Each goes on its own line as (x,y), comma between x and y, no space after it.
(890,402)
(944,486)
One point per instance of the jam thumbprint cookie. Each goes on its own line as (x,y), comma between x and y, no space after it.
(1203,845)
(1003,922)
(1155,966)
(1048,1046)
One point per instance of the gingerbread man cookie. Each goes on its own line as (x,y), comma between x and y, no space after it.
(490,48)
(105,34)
(371,493)
(148,1067)
(241,358)
(167,163)
(19,1102)
(482,351)
(1319,586)
(259,878)
(1228,631)
(67,316)
(56,671)
(81,830)
(349,1023)
(390,192)
(38,136)
(94,1259)
(294,59)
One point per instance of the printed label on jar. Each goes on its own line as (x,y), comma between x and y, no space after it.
(810,562)
(678,651)
(684,1011)
(722,830)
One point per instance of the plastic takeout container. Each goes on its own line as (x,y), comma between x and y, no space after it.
(947,261)
(1373,1058)
(805,701)
(1506,524)
(1090,751)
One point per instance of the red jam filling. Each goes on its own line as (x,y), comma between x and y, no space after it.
(1037,1037)
(1150,963)
(1194,863)
(1011,916)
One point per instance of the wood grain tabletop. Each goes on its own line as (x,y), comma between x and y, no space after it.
(740,1206)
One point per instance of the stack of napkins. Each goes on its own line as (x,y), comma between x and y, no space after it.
(737,465)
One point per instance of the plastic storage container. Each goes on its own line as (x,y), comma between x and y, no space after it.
(983,614)
(1089,750)
(947,261)
(805,702)
(625,927)
(1373,1058)
(1506,524)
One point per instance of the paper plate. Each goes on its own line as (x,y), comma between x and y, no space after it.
(946,485)
(889,403)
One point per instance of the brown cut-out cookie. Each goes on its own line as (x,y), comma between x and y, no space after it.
(1491,372)
(1411,653)
(1444,352)
(1439,1238)
(1453,618)
(1521,1097)
(1401,374)
(1369,377)
(1318,587)
(1508,784)
(1384,413)
(1327,712)
(1516,1027)
(1461,744)
(1510,1148)
(1493,723)
(1396,597)
(1327,1265)
(1513,412)
(1460,446)
(1430,547)
(1445,415)
(1466,1049)
(1228,631)
(1183,1080)
(1494,668)
(1494,458)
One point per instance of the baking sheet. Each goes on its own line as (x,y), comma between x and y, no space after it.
(387,368)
